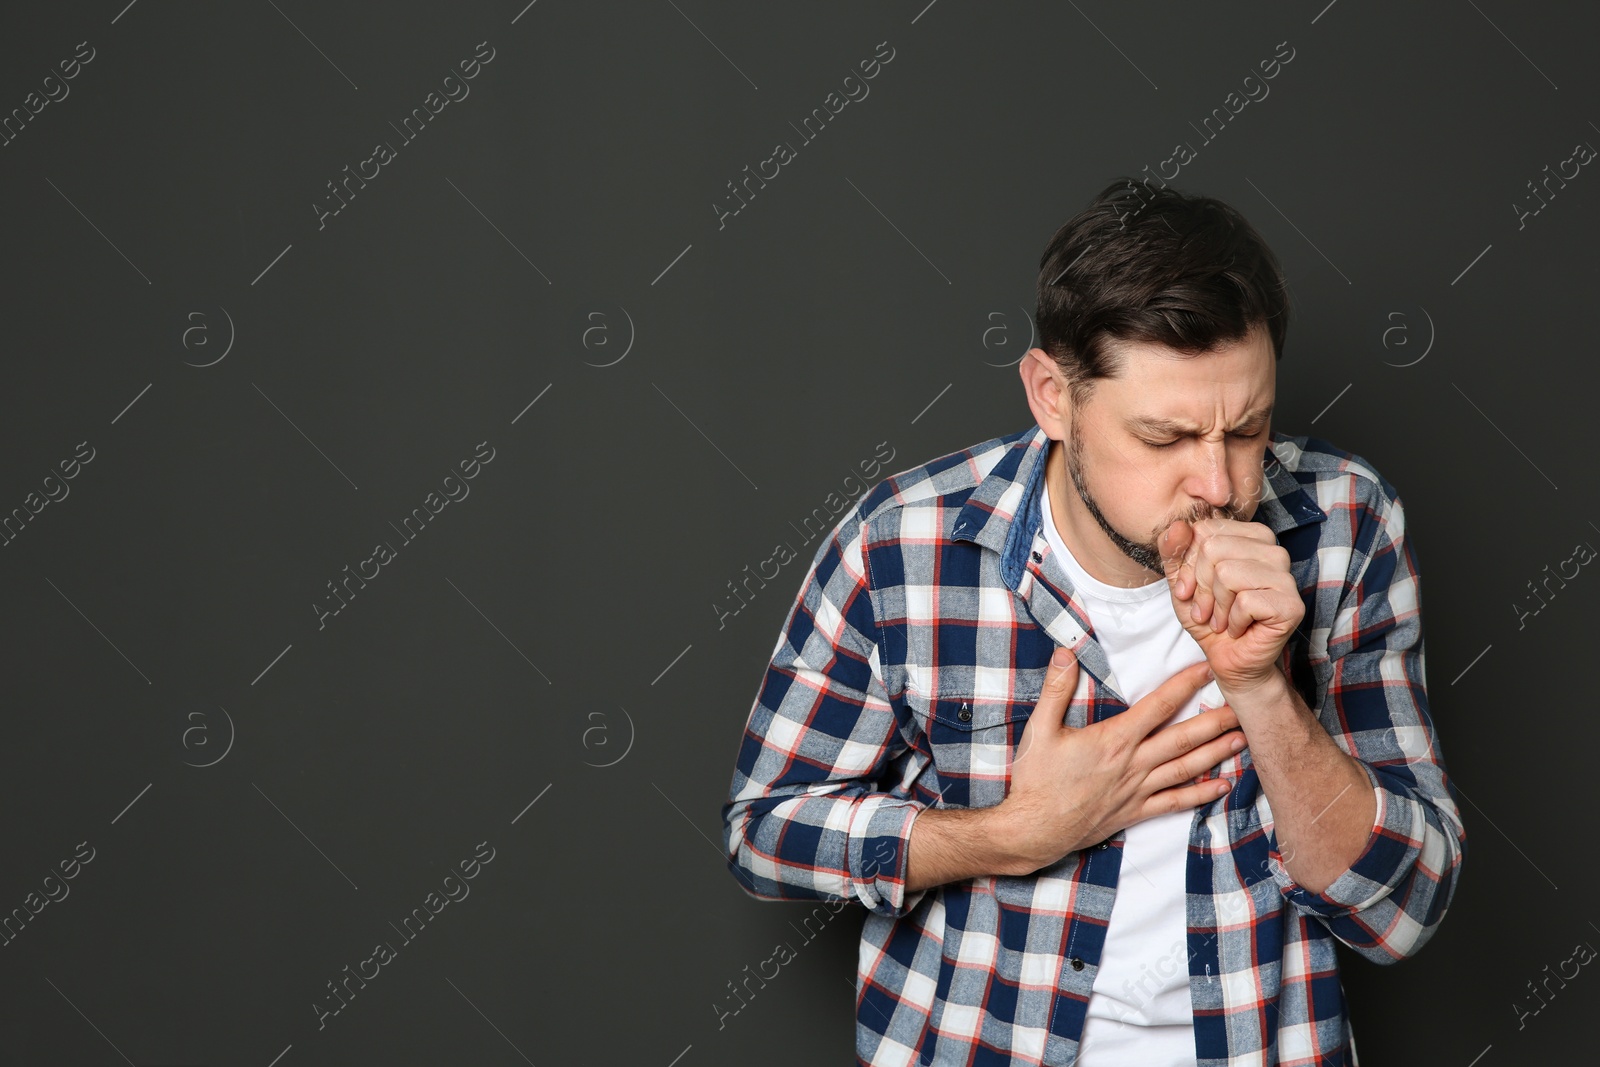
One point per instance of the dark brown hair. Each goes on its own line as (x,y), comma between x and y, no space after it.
(1156,266)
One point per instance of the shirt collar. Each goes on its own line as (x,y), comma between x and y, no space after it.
(1012,488)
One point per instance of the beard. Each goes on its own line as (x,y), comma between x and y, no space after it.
(1144,553)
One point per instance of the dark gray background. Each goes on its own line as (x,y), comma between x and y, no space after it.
(563,615)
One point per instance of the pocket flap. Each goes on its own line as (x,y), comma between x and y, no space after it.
(970,713)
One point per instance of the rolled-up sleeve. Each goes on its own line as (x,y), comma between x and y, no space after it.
(1390,901)
(808,815)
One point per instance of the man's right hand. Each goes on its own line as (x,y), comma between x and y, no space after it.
(1072,787)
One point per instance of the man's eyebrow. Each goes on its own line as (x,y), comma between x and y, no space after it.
(1157,425)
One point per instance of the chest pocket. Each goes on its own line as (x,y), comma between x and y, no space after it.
(972,741)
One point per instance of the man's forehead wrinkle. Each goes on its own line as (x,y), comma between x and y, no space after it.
(1159,422)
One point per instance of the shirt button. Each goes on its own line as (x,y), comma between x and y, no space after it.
(1104,844)
(1038,558)
(965,714)
(1077,964)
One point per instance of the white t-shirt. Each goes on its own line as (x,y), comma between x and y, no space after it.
(1139,1011)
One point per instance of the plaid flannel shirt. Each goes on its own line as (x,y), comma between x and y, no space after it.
(902,680)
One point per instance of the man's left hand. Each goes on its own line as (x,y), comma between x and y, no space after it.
(1233,592)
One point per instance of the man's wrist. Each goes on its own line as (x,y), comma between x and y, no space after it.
(954,844)
(1008,824)
(1271,689)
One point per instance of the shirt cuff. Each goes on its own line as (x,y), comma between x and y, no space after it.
(1393,845)
(878,850)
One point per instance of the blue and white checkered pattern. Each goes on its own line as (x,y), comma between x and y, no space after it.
(902,680)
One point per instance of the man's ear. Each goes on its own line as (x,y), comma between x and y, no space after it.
(1041,381)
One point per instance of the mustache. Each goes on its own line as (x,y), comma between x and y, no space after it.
(1229,511)
(1234,508)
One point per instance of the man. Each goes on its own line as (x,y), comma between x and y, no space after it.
(1147,855)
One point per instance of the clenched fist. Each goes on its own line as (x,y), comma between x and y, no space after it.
(1233,592)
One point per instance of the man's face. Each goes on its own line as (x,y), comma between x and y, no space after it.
(1168,438)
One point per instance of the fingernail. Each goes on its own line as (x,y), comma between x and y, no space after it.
(1062,657)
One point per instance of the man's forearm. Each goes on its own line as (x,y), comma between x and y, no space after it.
(1322,802)
(952,844)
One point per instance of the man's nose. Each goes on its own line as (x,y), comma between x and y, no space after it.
(1212,479)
